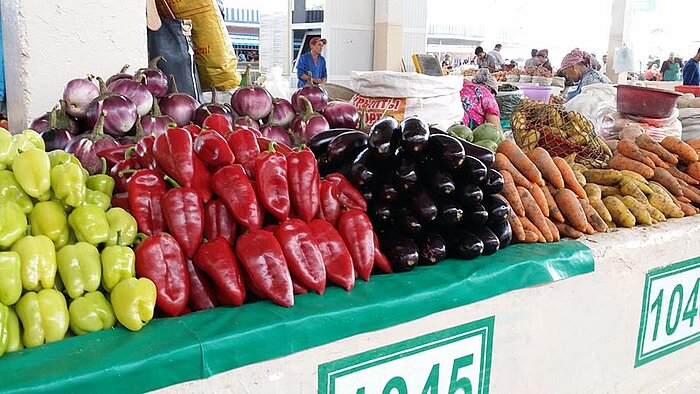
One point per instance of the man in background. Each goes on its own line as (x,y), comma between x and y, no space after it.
(485,60)
(312,62)
(496,53)
(532,61)
(691,71)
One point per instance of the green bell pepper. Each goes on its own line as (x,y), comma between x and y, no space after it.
(98,198)
(118,264)
(14,333)
(68,184)
(123,228)
(58,157)
(6,155)
(48,218)
(89,223)
(4,328)
(91,313)
(38,257)
(80,268)
(13,224)
(11,191)
(102,182)
(134,301)
(33,172)
(34,138)
(10,278)
(44,317)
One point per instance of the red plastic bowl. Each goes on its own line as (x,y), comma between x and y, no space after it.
(646,102)
(695,90)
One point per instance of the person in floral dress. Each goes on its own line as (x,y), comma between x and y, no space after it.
(479,100)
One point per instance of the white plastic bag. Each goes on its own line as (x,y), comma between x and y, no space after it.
(436,100)
(624,60)
(277,85)
(595,102)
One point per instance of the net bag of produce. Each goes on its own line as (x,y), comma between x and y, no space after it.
(560,132)
(434,99)
(215,57)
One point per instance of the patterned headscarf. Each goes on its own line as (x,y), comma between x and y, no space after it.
(484,77)
(575,57)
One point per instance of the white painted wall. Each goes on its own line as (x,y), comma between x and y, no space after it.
(349,28)
(49,42)
(415,27)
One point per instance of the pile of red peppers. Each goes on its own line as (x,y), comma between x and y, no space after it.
(230,217)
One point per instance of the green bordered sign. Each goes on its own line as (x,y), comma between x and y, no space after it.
(670,319)
(456,360)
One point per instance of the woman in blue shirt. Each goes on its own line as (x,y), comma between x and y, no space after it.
(312,62)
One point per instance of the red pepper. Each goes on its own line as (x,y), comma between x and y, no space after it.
(174,154)
(114,155)
(193,129)
(146,189)
(218,222)
(240,127)
(303,257)
(356,230)
(304,184)
(184,215)
(263,259)
(121,173)
(121,200)
(217,122)
(160,259)
(202,180)
(330,207)
(233,186)
(245,148)
(217,259)
(213,149)
(336,257)
(201,292)
(381,262)
(348,195)
(298,289)
(264,143)
(271,183)
(144,153)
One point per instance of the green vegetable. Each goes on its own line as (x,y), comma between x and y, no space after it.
(488,131)
(488,144)
(91,313)
(458,130)
(44,317)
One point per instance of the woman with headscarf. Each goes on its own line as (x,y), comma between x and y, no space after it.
(576,67)
(479,100)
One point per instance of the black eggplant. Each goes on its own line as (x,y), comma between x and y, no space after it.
(324,166)
(497,207)
(434,130)
(381,214)
(387,192)
(450,214)
(494,182)
(475,214)
(384,137)
(361,172)
(503,231)
(423,205)
(319,142)
(474,170)
(432,249)
(368,194)
(446,150)
(463,245)
(406,222)
(406,175)
(438,180)
(345,147)
(414,135)
(401,251)
(485,155)
(490,240)
(468,194)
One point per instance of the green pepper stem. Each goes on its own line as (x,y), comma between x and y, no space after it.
(125,172)
(129,152)
(104,165)
(271,147)
(119,237)
(171,181)
(140,237)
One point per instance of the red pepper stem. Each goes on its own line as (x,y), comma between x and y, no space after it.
(171,181)
(140,237)
(104,165)
(271,147)
(128,152)
(171,124)
(126,172)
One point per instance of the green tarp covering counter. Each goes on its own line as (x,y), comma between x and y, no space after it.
(170,351)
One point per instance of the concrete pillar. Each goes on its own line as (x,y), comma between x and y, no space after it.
(618,36)
(388,35)
(49,42)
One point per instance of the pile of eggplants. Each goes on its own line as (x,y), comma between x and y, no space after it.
(431,195)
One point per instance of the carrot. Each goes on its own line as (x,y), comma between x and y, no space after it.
(656,159)
(619,162)
(502,163)
(555,231)
(694,143)
(529,226)
(534,213)
(510,192)
(667,180)
(683,176)
(688,210)
(545,164)
(593,217)
(631,150)
(680,148)
(571,208)
(693,170)
(691,194)
(540,198)
(554,212)
(684,199)
(531,237)
(516,227)
(521,161)
(645,142)
(569,177)
(568,231)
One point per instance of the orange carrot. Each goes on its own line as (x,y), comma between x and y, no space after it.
(554,212)
(656,159)
(629,149)
(680,148)
(683,176)
(691,194)
(540,198)
(510,192)
(555,231)
(693,170)
(531,237)
(619,162)
(593,217)
(521,161)
(645,142)
(667,180)
(568,231)
(571,208)
(534,213)
(569,177)
(516,227)
(502,163)
(545,164)
(694,143)
(688,210)
(528,226)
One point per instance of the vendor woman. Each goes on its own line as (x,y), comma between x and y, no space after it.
(576,67)
(479,100)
